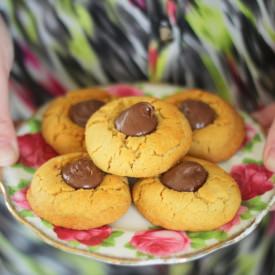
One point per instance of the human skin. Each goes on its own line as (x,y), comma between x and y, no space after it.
(8,144)
(266,117)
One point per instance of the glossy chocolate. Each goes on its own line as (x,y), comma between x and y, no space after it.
(198,113)
(137,120)
(82,111)
(187,176)
(82,174)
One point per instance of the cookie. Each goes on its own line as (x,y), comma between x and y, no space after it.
(137,137)
(70,191)
(194,195)
(218,130)
(64,121)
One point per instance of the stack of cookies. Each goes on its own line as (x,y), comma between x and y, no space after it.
(169,147)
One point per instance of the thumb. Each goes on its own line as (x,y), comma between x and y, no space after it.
(269,150)
(8,143)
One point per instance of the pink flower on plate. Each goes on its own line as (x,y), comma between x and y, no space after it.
(250,133)
(20,198)
(160,242)
(89,237)
(124,90)
(235,221)
(253,179)
(34,150)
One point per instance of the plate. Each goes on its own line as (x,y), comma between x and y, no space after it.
(132,240)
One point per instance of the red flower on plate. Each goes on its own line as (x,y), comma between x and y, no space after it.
(89,237)
(20,198)
(124,90)
(160,242)
(34,150)
(235,221)
(253,179)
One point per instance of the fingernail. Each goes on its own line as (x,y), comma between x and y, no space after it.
(270,160)
(8,153)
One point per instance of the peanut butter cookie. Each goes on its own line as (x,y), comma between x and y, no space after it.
(194,195)
(218,130)
(137,136)
(70,191)
(64,121)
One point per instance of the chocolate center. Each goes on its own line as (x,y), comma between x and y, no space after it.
(198,113)
(82,173)
(82,111)
(137,120)
(187,176)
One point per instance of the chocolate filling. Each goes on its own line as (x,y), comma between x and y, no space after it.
(187,176)
(82,173)
(198,113)
(137,120)
(82,111)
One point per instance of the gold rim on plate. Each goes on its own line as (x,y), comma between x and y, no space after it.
(132,261)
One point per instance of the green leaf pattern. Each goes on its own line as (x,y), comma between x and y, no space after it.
(34,125)
(26,213)
(21,185)
(111,240)
(27,169)
(199,239)
(255,204)
(249,146)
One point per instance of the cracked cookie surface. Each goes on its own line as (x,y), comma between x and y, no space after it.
(210,207)
(59,130)
(142,156)
(219,140)
(62,205)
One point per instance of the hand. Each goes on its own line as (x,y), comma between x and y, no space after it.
(8,143)
(266,118)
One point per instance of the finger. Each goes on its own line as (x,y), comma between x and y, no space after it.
(265,116)
(269,151)
(8,143)
(7,51)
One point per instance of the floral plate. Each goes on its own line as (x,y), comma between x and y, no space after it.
(132,240)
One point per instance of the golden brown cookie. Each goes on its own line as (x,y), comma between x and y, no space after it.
(63,123)
(69,191)
(218,130)
(137,136)
(214,201)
